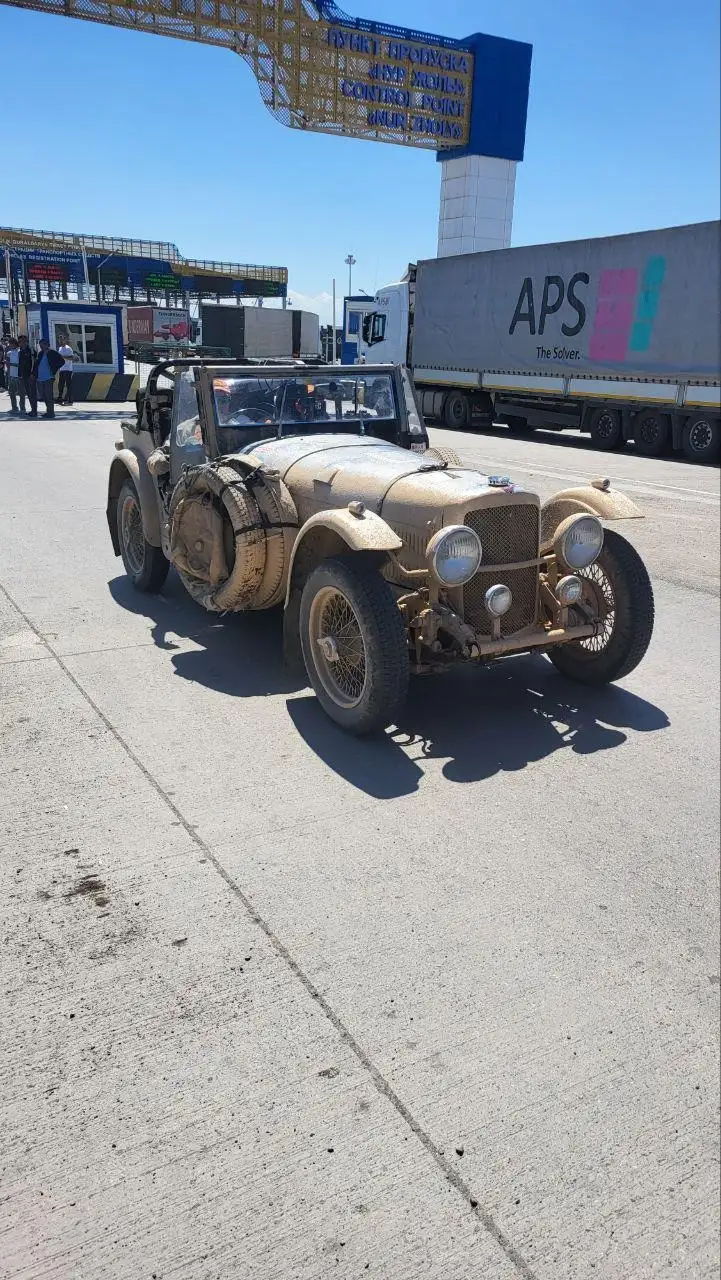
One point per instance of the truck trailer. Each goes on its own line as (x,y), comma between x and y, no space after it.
(157,326)
(617,337)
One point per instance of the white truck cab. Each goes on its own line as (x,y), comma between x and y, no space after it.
(387,337)
(385,330)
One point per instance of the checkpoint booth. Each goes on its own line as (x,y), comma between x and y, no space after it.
(95,334)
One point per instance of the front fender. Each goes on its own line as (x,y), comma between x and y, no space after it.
(586,500)
(131,463)
(329,532)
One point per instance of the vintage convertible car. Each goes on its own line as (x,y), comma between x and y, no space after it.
(316,490)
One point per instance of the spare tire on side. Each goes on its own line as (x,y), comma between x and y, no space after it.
(232,529)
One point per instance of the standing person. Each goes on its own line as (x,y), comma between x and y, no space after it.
(15,383)
(47,363)
(65,377)
(3,354)
(28,385)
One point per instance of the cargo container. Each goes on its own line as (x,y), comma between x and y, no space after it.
(617,336)
(261,332)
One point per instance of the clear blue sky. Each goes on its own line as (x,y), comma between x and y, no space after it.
(138,135)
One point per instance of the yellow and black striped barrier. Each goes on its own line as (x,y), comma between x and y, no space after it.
(115,387)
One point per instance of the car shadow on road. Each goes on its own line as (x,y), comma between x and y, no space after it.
(500,719)
(480,721)
(237,654)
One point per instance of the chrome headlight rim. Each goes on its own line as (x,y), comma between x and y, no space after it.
(569,590)
(575,558)
(435,548)
(499,591)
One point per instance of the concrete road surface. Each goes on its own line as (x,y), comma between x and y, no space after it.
(281,1005)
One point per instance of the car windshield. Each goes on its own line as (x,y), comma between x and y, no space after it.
(252,408)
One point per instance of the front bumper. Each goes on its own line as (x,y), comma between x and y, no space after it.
(532,638)
(438,636)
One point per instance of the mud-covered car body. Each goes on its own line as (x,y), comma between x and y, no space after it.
(315,489)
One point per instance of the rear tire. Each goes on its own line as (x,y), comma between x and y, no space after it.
(618,582)
(605,428)
(456,411)
(354,645)
(145,564)
(652,433)
(701,440)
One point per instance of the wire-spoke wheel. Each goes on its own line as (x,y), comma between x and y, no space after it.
(340,652)
(145,564)
(617,590)
(598,596)
(131,530)
(354,644)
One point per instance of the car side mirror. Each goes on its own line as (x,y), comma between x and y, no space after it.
(366,328)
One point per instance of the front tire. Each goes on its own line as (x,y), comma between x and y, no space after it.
(354,645)
(618,588)
(145,564)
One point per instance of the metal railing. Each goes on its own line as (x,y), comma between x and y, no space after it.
(162,250)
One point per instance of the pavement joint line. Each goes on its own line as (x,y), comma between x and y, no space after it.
(383,1086)
(15,662)
(112,648)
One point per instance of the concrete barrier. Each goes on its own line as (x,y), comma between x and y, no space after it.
(116,387)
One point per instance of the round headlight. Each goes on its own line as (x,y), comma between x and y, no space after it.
(454,554)
(498,599)
(569,590)
(578,541)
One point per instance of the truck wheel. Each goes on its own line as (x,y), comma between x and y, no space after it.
(517,425)
(701,438)
(618,589)
(605,428)
(652,433)
(354,645)
(145,564)
(456,411)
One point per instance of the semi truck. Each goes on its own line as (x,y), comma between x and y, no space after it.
(616,336)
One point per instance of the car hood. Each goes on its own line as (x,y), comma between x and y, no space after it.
(406,488)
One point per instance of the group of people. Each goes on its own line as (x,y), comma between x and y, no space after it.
(30,375)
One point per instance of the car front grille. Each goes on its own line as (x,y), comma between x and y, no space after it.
(508,533)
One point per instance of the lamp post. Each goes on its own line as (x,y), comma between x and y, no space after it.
(350,263)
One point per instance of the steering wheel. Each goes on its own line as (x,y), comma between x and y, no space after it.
(261,415)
